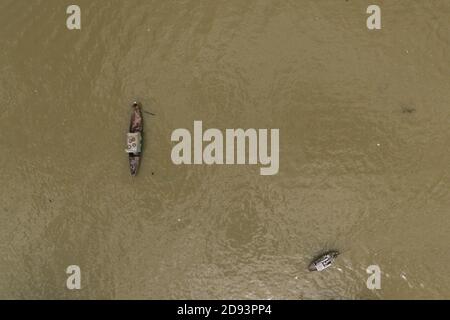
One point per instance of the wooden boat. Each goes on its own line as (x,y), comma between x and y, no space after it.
(134,138)
(323,262)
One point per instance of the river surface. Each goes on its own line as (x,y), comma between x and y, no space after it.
(364,149)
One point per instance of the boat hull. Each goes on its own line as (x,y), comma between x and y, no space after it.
(134,163)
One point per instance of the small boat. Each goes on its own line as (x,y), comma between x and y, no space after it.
(134,138)
(324,261)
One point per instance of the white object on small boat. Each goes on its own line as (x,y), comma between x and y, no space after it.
(133,142)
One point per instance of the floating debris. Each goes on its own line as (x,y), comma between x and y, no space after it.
(408,109)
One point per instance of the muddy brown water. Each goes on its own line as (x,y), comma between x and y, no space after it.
(364,149)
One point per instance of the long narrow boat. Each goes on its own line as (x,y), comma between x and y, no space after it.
(134,138)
